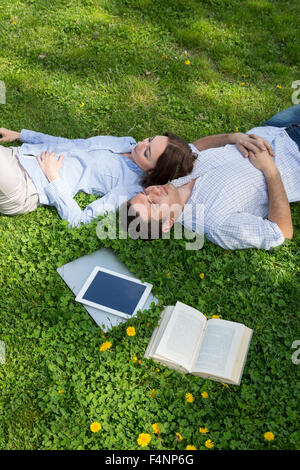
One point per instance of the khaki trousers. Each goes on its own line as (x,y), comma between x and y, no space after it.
(18,194)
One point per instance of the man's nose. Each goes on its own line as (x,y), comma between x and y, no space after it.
(156,191)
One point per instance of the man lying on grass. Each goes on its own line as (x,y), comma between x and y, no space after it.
(103,165)
(245,200)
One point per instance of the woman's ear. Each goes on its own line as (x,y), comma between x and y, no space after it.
(167,225)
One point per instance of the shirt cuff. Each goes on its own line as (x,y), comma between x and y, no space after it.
(57,188)
(278,237)
(26,136)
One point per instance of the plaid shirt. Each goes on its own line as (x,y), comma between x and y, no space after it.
(234,193)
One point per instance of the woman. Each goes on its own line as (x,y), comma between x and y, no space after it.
(31,175)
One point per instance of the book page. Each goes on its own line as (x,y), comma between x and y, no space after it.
(240,361)
(182,336)
(159,331)
(219,348)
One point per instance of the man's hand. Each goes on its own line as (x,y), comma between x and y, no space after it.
(262,160)
(49,165)
(247,142)
(8,136)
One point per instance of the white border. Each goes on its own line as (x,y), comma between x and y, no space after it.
(90,279)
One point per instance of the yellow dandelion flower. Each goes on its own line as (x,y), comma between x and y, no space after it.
(105,346)
(60,391)
(243,83)
(95,427)
(204,394)
(244,76)
(209,444)
(236,129)
(190,447)
(187,62)
(279,86)
(189,397)
(130,331)
(155,428)
(269,436)
(201,275)
(179,436)
(225,385)
(143,439)
(82,105)
(153,393)
(134,359)
(215,316)
(164,56)
(203,430)
(157,370)
(14,22)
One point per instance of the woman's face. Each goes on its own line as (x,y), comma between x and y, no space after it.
(146,153)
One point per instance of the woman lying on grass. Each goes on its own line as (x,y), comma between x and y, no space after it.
(49,170)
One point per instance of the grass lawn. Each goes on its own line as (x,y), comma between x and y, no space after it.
(78,68)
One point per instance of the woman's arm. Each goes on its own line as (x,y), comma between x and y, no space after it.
(8,136)
(53,143)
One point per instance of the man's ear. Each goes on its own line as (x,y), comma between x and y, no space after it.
(167,225)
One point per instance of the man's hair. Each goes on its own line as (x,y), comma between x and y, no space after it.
(132,222)
(177,160)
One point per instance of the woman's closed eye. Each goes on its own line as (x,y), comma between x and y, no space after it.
(147,152)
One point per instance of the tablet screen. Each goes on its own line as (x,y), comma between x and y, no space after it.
(114,292)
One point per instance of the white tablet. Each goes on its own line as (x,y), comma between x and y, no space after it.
(116,293)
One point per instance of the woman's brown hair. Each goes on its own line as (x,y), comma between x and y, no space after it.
(176,161)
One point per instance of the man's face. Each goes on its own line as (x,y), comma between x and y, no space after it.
(158,203)
(146,153)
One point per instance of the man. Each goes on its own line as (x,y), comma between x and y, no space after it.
(245,198)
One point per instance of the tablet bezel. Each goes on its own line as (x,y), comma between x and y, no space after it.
(90,279)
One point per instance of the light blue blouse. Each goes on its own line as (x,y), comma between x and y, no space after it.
(94,166)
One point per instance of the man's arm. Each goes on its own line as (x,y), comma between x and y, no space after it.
(279,207)
(213,141)
(244,142)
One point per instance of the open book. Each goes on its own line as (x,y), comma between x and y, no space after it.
(213,349)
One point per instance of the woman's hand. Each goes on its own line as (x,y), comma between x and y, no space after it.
(8,136)
(49,165)
(251,142)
